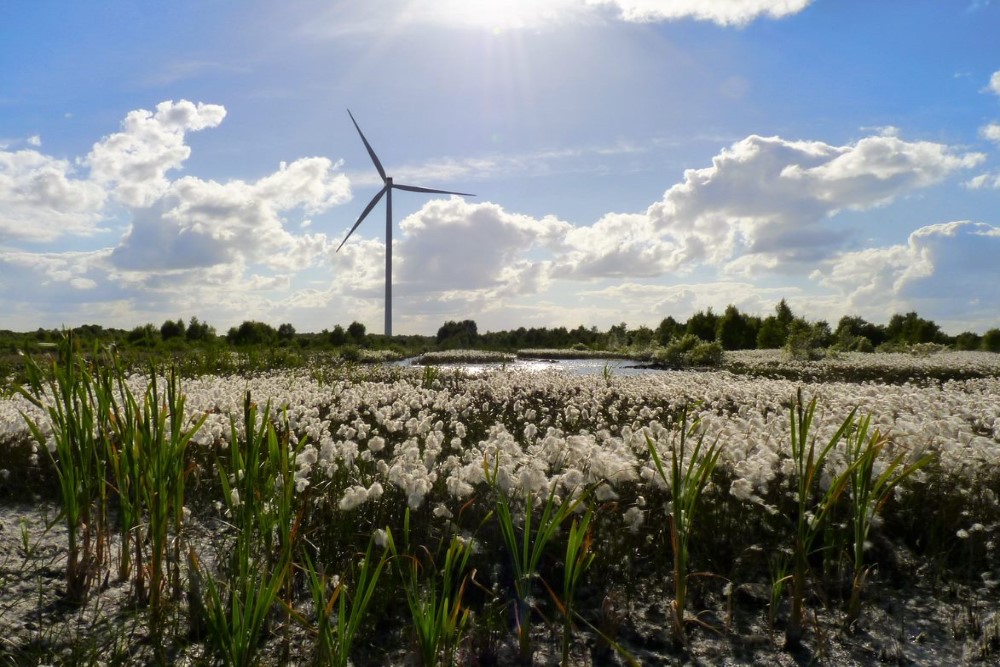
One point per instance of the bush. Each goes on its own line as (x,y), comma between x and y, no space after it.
(991,340)
(805,341)
(689,350)
(850,343)
(705,354)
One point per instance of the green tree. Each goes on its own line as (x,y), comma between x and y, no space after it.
(703,325)
(286,332)
(338,336)
(735,331)
(783,313)
(584,336)
(146,335)
(668,330)
(641,338)
(991,340)
(771,334)
(455,335)
(170,329)
(910,329)
(617,336)
(968,341)
(774,329)
(252,333)
(805,340)
(356,332)
(199,331)
(855,334)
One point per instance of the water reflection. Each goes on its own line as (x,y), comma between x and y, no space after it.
(570,366)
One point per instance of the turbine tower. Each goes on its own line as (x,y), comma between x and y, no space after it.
(387,191)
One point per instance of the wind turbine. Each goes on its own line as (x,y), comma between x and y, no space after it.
(387,191)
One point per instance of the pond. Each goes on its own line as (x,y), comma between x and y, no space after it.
(626,367)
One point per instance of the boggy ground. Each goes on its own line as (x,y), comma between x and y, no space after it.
(916,620)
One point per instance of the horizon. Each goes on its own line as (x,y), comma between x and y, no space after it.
(633,160)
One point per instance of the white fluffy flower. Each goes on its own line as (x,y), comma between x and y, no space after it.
(353,498)
(633,519)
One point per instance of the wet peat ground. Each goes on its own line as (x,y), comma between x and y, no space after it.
(925,623)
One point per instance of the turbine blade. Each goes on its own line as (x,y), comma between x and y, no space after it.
(417,188)
(378,165)
(368,209)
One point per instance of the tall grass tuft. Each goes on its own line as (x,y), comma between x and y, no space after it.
(688,476)
(527,543)
(69,396)
(434,596)
(259,495)
(579,556)
(810,515)
(869,493)
(124,471)
(340,611)
(161,441)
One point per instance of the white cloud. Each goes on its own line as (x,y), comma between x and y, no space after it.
(617,245)
(190,240)
(722,12)
(987,180)
(34,140)
(134,162)
(41,200)
(991,132)
(763,203)
(200,223)
(995,82)
(946,271)
(51,268)
(453,244)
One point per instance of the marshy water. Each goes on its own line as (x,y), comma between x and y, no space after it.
(597,366)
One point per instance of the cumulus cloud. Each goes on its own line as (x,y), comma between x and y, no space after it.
(41,199)
(200,223)
(453,244)
(991,132)
(763,202)
(189,239)
(617,245)
(722,12)
(994,84)
(28,271)
(946,269)
(133,163)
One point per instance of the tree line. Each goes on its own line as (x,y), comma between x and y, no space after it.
(732,329)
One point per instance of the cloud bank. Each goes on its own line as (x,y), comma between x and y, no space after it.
(763,213)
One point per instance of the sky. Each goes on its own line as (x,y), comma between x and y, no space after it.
(630,160)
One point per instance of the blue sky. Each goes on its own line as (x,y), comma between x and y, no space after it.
(632,159)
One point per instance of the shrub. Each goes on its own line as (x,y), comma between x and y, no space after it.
(991,340)
(689,350)
(804,342)
(705,354)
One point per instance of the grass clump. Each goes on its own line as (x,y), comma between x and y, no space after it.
(689,473)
